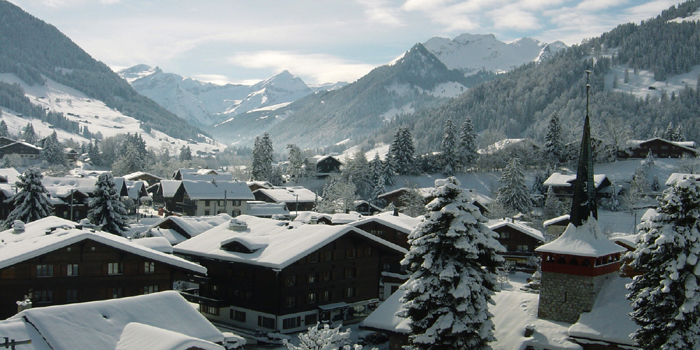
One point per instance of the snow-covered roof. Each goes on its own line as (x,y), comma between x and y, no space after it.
(7,189)
(675,177)
(556,220)
(384,317)
(263,184)
(135,189)
(194,225)
(318,158)
(561,180)
(62,186)
(626,240)
(138,336)
(585,240)
(336,219)
(609,319)
(172,236)
(289,194)
(100,324)
(688,145)
(208,177)
(424,192)
(34,242)
(517,225)
(402,223)
(170,187)
(138,174)
(260,208)
(287,241)
(500,145)
(11,174)
(160,244)
(207,190)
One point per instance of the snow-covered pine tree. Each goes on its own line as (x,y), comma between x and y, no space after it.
(513,195)
(669,134)
(28,134)
(614,203)
(666,298)
(679,135)
(377,169)
(401,155)
(296,162)
(52,152)
(552,205)
(448,146)
(185,153)
(467,144)
(129,161)
(655,186)
(106,208)
(338,196)
(262,158)
(3,129)
(323,338)
(357,171)
(413,202)
(553,145)
(452,265)
(31,201)
(94,154)
(257,166)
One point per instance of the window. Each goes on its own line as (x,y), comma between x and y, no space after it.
(68,249)
(207,203)
(44,270)
(212,310)
(386,267)
(266,322)
(290,280)
(325,276)
(221,203)
(311,278)
(350,253)
(378,233)
(313,258)
(311,298)
(115,268)
(72,270)
(349,292)
(292,322)
(43,296)
(237,203)
(117,292)
(505,234)
(150,289)
(523,248)
(310,319)
(149,267)
(327,256)
(326,296)
(368,251)
(349,273)
(207,213)
(290,301)
(238,315)
(72,295)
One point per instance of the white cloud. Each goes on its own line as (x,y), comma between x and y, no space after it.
(593,5)
(381,12)
(322,68)
(512,17)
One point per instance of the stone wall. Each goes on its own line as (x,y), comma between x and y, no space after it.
(564,297)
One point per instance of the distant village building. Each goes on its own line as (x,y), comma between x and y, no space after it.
(324,166)
(675,177)
(295,198)
(204,198)
(660,148)
(177,229)
(149,178)
(519,239)
(22,149)
(184,173)
(563,184)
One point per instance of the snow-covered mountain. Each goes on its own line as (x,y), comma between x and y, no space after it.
(202,103)
(471,53)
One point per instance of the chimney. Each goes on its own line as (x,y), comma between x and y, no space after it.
(396,211)
(17,227)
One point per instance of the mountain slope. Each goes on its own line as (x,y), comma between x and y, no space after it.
(33,49)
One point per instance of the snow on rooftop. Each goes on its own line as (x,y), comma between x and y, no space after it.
(558,219)
(384,317)
(675,177)
(160,244)
(561,180)
(99,324)
(138,336)
(288,242)
(217,190)
(518,225)
(259,208)
(35,242)
(290,194)
(402,222)
(169,187)
(585,240)
(194,225)
(62,186)
(609,319)
(11,174)
(132,176)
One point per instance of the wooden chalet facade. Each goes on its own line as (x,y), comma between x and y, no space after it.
(562,185)
(56,264)
(295,198)
(204,198)
(519,240)
(22,149)
(288,283)
(660,148)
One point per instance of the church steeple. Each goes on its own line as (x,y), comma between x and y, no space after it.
(584,202)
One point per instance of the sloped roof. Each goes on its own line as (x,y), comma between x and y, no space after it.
(259,208)
(517,225)
(34,242)
(558,219)
(207,190)
(675,177)
(194,225)
(11,174)
(289,194)
(561,180)
(424,192)
(138,336)
(62,186)
(170,187)
(687,145)
(402,223)
(384,317)
(287,242)
(100,324)
(585,240)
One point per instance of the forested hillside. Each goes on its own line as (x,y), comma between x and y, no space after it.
(521,102)
(32,49)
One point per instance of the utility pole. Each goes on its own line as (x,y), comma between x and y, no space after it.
(71,204)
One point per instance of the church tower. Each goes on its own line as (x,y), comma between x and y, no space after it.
(575,265)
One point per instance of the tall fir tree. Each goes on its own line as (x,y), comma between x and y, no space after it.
(513,195)
(665,298)
(448,148)
(53,152)
(678,134)
(28,134)
(467,144)
(94,153)
(401,155)
(554,145)
(552,205)
(106,209)
(377,168)
(262,158)
(338,196)
(413,201)
(295,170)
(130,161)
(3,129)
(452,265)
(185,153)
(670,132)
(31,201)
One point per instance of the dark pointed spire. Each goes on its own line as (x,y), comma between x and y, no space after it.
(584,202)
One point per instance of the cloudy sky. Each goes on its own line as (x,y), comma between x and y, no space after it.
(318,40)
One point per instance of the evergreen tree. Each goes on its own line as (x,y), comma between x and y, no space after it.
(94,153)
(262,158)
(357,170)
(413,202)
(3,129)
(679,135)
(276,178)
(401,156)
(31,201)
(666,298)
(296,163)
(452,266)
(670,132)
(52,152)
(467,144)
(377,170)
(614,201)
(553,145)
(655,186)
(626,79)
(185,153)
(552,205)
(28,134)
(338,196)
(130,161)
(513,195)
(448,149)
(106,209)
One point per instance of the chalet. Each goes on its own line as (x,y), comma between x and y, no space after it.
(137,190)
(267,210)
(204,198)
(660,148)
(555,226)
(53,263)
(148,178)
(164,192)
(295,198)
(563,184)
(675,177)
(314,218)
(69,195)
(277,276)
(6,206)
(4,141)
(395,196)
(71,154)
(183,173)
(23,149)
(366,208)
(157,321)
(177,229)
(519,239)
(324,165)
(256,185)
